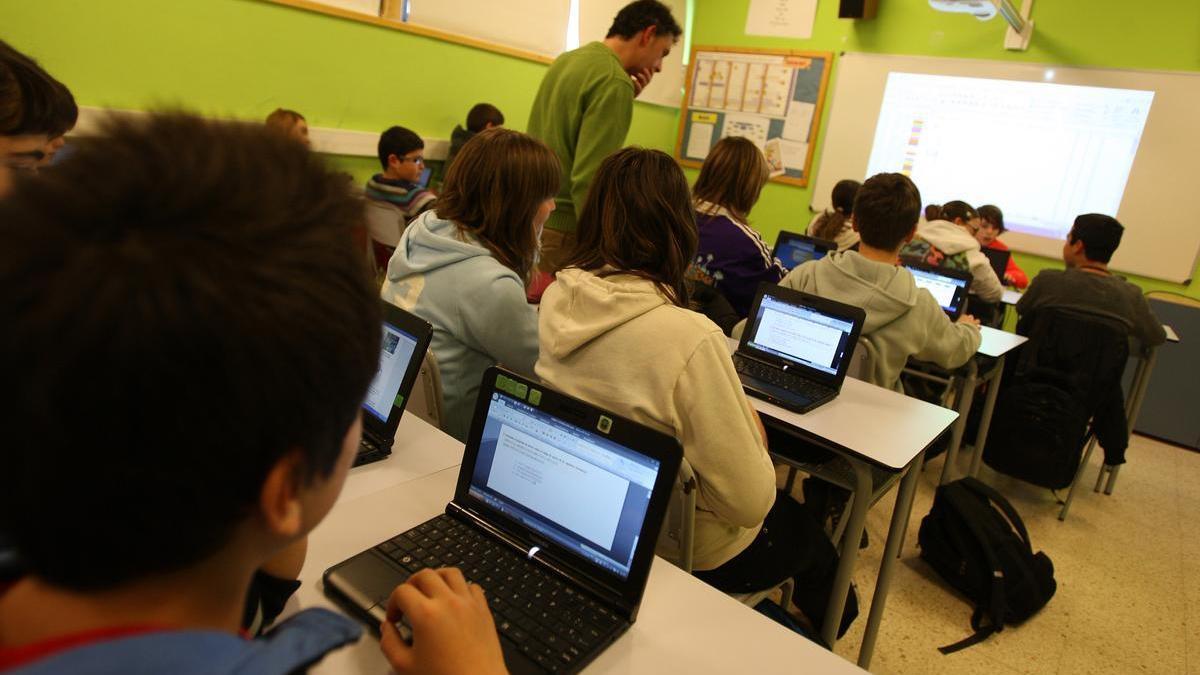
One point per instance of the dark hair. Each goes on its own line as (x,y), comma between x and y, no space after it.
(282,119)
(31,101)
(957,210)
(886,210)
(227,321)
(483,114)
(638,219)
(1100,234)
(493,190)
(639,15)
(397,141)
(993,216)
(829,224)
(733,176)
(933,212)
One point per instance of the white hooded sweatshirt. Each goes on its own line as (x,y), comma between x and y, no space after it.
(952,240)
(617,342)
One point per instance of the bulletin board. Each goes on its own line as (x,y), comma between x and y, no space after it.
(773,97)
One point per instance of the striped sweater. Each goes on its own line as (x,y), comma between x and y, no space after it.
(408,197)
(732,256)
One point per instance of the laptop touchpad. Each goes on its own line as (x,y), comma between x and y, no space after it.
(369,577)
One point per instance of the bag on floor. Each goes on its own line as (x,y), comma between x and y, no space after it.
(974,539)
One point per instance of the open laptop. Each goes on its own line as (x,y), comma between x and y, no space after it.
(405,341)
(793,249)
(556,514)
(796,347)
(999,260)
(949,287)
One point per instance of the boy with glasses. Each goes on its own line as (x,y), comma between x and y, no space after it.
(396,196)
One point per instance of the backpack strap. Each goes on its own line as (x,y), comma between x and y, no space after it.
(958,494)
(988,492)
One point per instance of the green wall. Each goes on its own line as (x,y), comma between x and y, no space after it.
(1102,33)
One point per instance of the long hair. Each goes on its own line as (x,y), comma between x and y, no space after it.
(733,176)
(493,190)
(638,219)
(830,223)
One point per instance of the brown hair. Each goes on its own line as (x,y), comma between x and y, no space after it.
(886,210)
(493,190)
(733,176)
(283,119)
(829,224)
(638,219)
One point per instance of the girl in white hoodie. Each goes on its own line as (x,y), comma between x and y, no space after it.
(615,330)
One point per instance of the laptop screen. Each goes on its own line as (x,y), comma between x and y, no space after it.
(948,291)
(801,334)
(575,487)
(793,251)
(395,355)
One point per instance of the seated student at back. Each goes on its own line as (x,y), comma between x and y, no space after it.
(950,242)
(615,331)
(289,123)
(194,413)
(835,224)
(481,117)
(463,267)
(36,111)
(902,320)
(732,256)
(991,226)
(395,197)
(1087,285)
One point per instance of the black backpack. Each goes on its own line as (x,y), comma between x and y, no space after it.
(976,541)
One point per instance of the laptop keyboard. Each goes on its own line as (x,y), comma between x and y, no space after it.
(772,375)
(547,620)
(368,452)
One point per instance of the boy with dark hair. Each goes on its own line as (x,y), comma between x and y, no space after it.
(395,197)
(1087,284)
(584,105)
(35,111)
(194,412)
(903,321)
(482,116)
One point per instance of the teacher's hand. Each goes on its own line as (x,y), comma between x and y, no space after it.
(640,79)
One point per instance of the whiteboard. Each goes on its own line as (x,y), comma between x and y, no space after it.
(1160,204)
(596,17)
(536,25)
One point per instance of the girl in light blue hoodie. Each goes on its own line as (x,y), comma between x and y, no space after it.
(464,265)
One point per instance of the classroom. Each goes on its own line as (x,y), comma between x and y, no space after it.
(770,386)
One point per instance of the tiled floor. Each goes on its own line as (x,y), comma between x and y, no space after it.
(1127,567)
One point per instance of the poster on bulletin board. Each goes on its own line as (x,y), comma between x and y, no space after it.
(772,97)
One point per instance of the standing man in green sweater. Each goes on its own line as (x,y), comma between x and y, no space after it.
(585,103)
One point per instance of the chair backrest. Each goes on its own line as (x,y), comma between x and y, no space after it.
(862,363)
(385,222)
(426,401)
(1084,353)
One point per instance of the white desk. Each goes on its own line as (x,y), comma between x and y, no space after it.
(683,626)
(870,426)
(419,450)
(1010,297)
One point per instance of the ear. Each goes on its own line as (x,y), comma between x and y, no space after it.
(648,35)
(279,500)
(393,161)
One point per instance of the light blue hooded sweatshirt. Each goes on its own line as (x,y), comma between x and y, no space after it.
(476,305)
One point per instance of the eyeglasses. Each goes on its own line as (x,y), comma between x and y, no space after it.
(23,161)
(414,160)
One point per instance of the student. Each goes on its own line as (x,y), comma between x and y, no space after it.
(732,257)
(34,109)
(615,331)
(836,225)
(194,413)
(290,123)
(950,242)
(903,321)
(395,197)
(991,226)
(584,105)
(933,212)
(464,267)
(482,116)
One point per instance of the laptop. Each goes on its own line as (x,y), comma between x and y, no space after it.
(949,287)
(999,261)
(793,249)
(556,514)
(423,179)
(796,347)
(405,341)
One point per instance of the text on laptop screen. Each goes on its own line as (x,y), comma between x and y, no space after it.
(801,334)
(394,358)
(948,291)
(573,486)
(795,252)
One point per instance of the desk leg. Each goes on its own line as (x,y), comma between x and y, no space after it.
(960,425)
(1137,394)
(849,552)
(891,552)
(985,421)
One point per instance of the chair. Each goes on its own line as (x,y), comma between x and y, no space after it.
(426,401)
(385,224)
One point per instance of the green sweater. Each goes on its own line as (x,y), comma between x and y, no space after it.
(582,111)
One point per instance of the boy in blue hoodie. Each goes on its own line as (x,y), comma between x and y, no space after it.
(189,334)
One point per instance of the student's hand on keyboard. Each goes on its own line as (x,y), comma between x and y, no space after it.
(969,320)
(453,631)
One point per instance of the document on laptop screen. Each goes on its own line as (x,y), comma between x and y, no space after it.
(394,357)
(942,288)
(800,334)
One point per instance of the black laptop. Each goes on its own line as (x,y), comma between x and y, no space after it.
(556,514)
(792,249)
(796,347)
(405,341)
(999,260)
(948,287)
